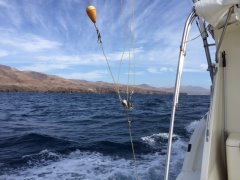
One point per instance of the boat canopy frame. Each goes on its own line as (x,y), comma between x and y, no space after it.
(182,55)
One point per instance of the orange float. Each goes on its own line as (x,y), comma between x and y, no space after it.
(92,13)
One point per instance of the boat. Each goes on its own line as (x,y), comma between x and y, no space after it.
(213,152)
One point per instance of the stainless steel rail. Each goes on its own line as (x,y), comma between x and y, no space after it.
(204,35)
(182,55)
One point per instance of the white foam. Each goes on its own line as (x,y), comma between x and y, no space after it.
(151,140)
(192,126)
(43,152)
(86,165)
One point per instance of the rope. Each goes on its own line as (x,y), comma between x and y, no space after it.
(129,97)
(126,103)
(109,68)
(132,145)
(133,49)
(119,70)
(197,35)
(129,66)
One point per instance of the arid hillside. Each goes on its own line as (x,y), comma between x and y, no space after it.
(13,80)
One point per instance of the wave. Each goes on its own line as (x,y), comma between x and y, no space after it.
(88,165)
(43,157)
(192,126)
(33,137)
(155,138)
(31,143)
(93,165)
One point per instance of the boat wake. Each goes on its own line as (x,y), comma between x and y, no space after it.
(93,165)
(58,143)
(154,138)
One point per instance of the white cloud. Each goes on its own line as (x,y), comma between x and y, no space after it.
(194,69)
(137,73)
(31,44)
(26,42)
(43,67)
(199,68)
(3,3)
(34,44)
(154,70)
(73,38)
(87,59)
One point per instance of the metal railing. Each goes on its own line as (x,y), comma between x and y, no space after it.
(182,55)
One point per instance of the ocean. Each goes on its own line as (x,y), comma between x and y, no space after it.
(85,136)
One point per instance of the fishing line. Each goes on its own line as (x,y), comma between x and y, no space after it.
(132,145)
(127,105)
(129,96)
(133,49)
(108,65)
(91,11)
(129,65)
(131,56)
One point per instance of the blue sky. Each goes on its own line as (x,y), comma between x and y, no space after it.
(56,37)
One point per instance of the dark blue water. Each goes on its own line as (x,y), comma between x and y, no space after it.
(82,136)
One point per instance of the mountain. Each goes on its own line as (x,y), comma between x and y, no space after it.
(195,90)
(190,90)
(14,80)
(145,86)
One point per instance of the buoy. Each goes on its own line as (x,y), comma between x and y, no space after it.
(92,13)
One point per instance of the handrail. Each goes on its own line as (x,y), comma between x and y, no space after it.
(202,28)
(182,55)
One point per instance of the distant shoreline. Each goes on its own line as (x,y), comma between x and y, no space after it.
(13,80)
(87,93)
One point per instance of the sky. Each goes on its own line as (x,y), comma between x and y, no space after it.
(56,37)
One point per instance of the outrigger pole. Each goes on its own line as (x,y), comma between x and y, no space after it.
(182,55)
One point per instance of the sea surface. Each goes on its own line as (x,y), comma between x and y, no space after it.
(85,136)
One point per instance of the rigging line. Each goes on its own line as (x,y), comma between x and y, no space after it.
(129,97)
(195,38)
(133,49)
(130,52)
(201,33)
(108,65)
(124,102)
(129,66)
(128,87)
(121,60)
(119,70)
(132,145)
(109,69)
(134,75)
